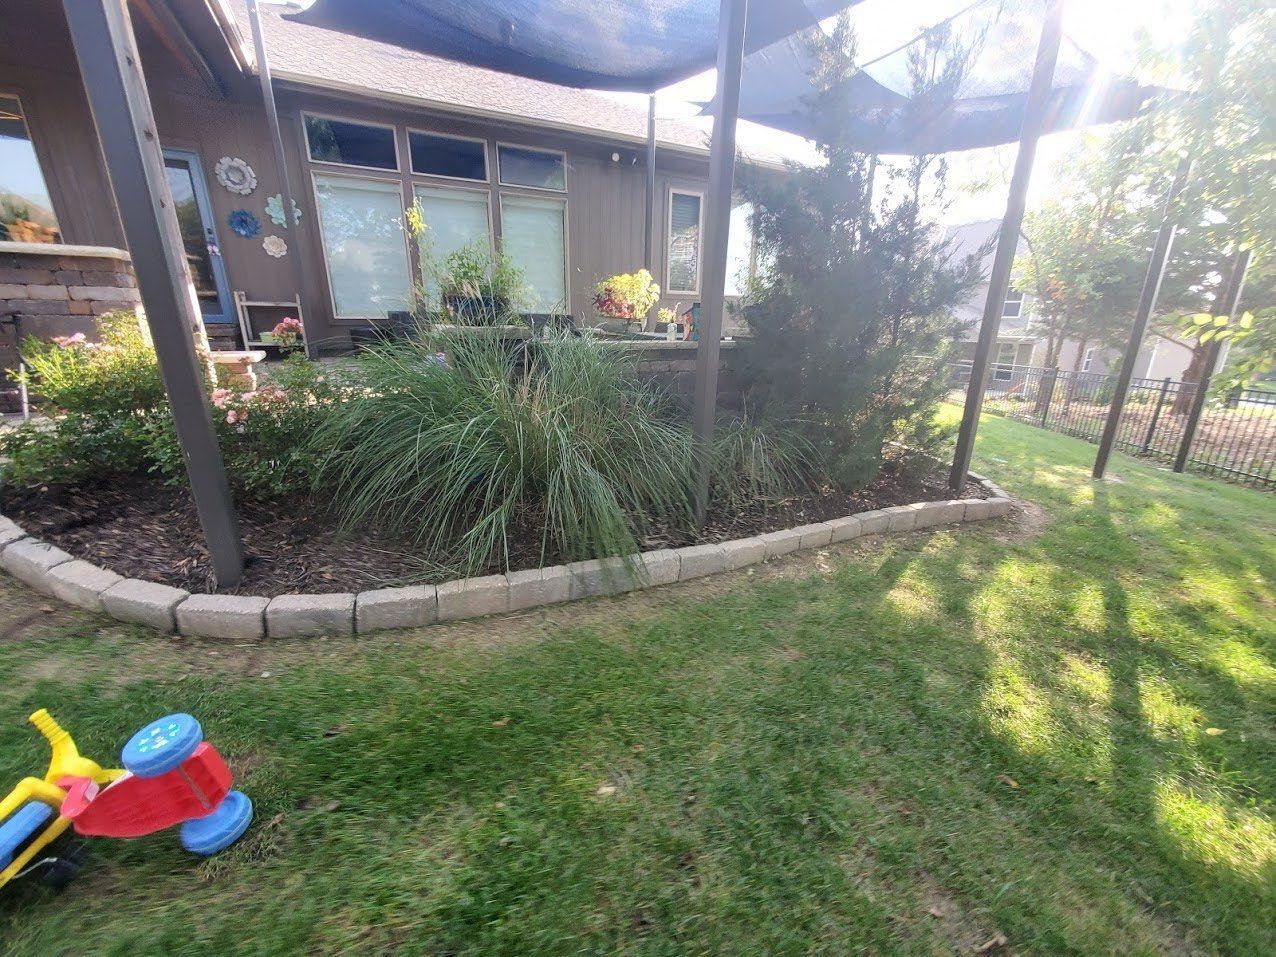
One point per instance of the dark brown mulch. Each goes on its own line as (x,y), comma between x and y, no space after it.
(141,528)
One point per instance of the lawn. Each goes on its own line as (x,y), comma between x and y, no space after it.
(1051,735)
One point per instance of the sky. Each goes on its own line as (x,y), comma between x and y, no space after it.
(1110,30)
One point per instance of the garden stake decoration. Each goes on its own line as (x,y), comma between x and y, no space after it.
(171,775)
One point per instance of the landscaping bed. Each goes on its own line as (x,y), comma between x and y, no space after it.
(146,529)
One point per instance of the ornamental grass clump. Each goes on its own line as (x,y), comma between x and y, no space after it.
(560,444)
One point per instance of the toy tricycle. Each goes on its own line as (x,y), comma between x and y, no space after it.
(171,776)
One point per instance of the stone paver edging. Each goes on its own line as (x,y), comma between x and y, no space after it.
(53,572)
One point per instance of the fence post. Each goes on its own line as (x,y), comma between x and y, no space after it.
(1230,300)
(1156,416)
(1051,377)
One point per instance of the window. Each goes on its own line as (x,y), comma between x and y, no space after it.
(26,212)
(534,236)
(540,169)
(739,250)
(434,154)
(454,218)
(364,246)
(1088,360)
(1012,308)
(1005,362)
(351,144)
(684,244)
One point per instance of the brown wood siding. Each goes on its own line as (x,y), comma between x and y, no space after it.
(605,198)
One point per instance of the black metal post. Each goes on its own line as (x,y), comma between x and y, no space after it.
(649,212)
(281,162)
(1147,302)
(731,18)
(1051,377)
(1008,237)
(112,73)
(1231,298)
(1156,415)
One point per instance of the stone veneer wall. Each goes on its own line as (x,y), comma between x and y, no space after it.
(58,290)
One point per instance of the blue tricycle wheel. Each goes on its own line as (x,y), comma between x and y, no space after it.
(162,745)
(222,828)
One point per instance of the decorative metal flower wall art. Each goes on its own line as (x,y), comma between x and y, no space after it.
(275,210)
(235,175)
(275,246)
(244,223)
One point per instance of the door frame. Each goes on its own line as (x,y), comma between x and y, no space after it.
(204,203)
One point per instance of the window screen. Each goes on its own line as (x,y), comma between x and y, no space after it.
(454,218)
(364,245)
(352,144)
(525,167)
(534,236)
(684,243)
(437,155)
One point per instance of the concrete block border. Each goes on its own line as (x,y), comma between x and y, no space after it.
(53,572)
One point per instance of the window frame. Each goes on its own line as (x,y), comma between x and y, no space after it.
(487,159)
(332,164)
(1019,303)
(323,243)
(699,194)
(556,197)
(1087,359)
(42,159)
(533,149)
(1005,371)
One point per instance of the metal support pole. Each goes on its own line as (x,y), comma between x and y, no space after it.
(281,162)
(112,75)
(1051,377)
(1156,416)
(1034,118)
(649,213)
(1147,302)
(1230,301)
(731,20)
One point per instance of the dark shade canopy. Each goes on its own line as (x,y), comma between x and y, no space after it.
(989,105)
(636,45)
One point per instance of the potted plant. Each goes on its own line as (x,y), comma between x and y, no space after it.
(626,297)
(478,288)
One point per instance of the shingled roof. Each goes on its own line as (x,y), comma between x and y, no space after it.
(325,59)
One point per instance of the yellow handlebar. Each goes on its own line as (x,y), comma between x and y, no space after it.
(66,760)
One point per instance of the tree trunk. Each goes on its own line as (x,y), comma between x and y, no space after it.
(1076,372)
(1183,398)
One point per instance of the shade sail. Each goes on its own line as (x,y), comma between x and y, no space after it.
(988,106)
(636,45)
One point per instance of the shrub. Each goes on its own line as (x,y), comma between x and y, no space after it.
(264,434)
(466,455)
(755,461)
(78,448)
(117,373)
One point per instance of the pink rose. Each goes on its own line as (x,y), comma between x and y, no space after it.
(232,417)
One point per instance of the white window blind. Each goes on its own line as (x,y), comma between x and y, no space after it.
(364,246)
(684,243)
(534,236)
(454,219)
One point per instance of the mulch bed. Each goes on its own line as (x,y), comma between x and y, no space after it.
(142,528)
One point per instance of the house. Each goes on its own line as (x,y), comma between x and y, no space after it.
(555,175)
(1019,339)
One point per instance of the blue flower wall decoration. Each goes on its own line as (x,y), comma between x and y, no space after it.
(244,223)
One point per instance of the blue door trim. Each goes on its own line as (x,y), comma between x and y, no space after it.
(205,205)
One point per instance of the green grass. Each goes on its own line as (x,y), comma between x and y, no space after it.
(1058,729)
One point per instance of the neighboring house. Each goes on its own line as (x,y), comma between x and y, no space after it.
(555,175)
(1019,340)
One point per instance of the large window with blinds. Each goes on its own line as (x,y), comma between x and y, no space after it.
(684,246)
(454,219)
(364,245)
(534,236)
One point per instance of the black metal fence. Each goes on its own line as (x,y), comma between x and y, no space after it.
(1235,439)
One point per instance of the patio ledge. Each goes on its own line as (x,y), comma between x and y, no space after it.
(52,571)
(64,249)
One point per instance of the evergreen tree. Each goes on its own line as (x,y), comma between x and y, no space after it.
(856,282)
